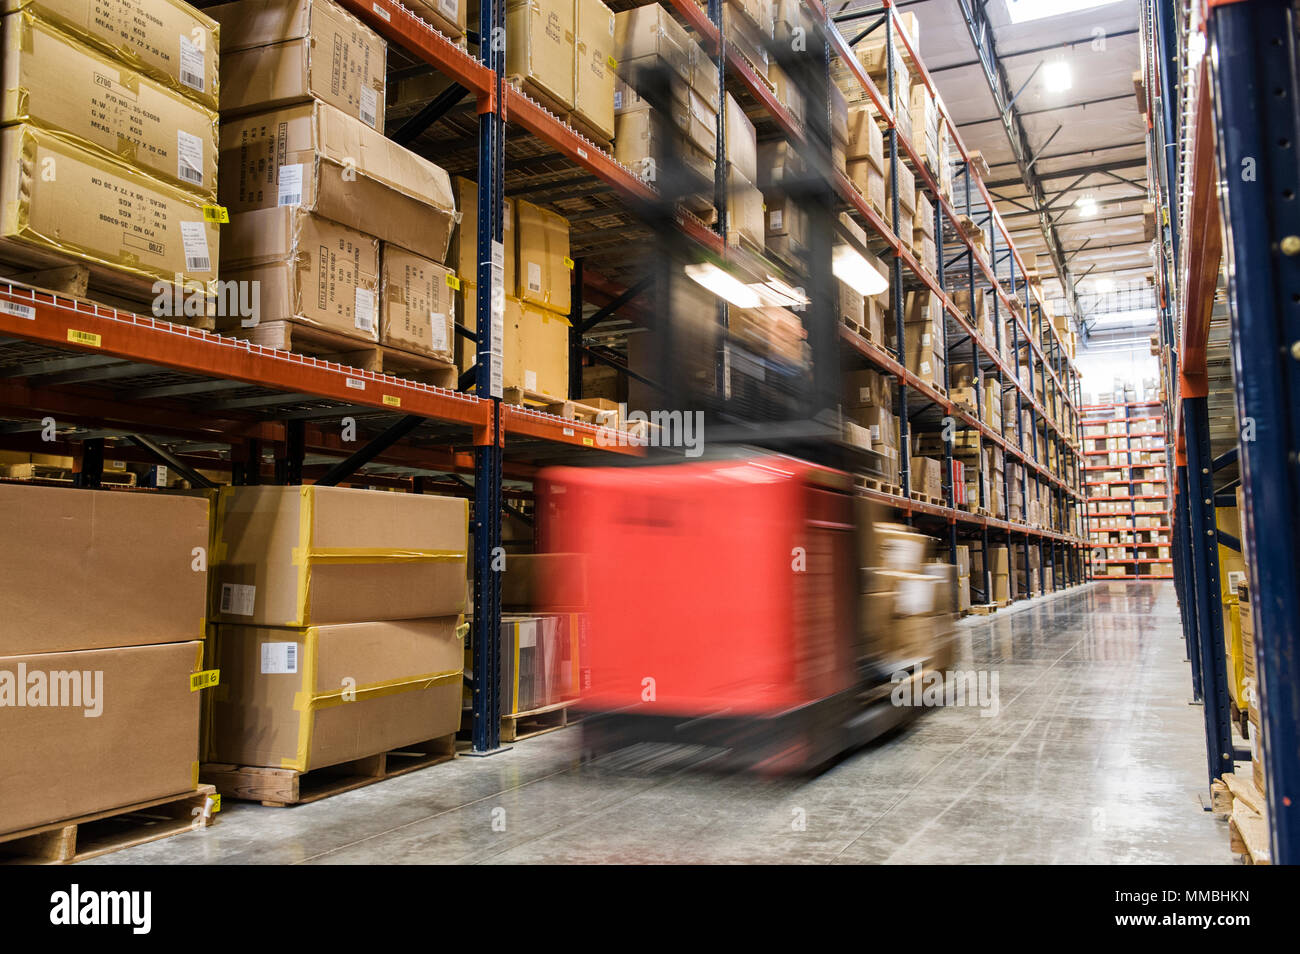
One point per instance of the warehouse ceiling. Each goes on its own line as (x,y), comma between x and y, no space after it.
(1085,141)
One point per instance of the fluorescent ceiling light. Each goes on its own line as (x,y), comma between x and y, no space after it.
(1103,285)
(863,273)
(775,292)
(1057,76)
(1022,11)
(723,285)
(1087,206)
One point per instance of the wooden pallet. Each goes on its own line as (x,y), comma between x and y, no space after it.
(524,725)
(926,498)
(89,836)
(60,274)
(62,475)
(874,483)
(983,609)
(287,335)
(1237,798)
(280,788)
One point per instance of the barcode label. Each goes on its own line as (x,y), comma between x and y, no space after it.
(189,157)
(289,191)
(279,658)
(17,310)
(193,71)
(237,599)
(355,383)
(369,106)
(437,331)
(364,316)
(382,12)
(194,237)
(534,277)
(450,8)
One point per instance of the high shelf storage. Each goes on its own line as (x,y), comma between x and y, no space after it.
(1221,103)
(113,374)
(1126,471)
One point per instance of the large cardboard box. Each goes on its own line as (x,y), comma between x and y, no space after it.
(744,211)
(56,83)
(133,229)
(741,142)
(318,157)
(449,16)
(310,270)
(544,267)
(540,47)
(593,86)
(304,698)
(300,556)
(279,52)
(463,254)
(648,35)
(539,660)
(536,354)
(637,141)
(130,734)
(169,40)
(865,138)
(417,308)
(87,569)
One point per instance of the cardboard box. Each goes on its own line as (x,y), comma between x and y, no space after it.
(749,41)
(704,74)
(417,308)
(540,47)
(540,660)
(869,181)
(448,16)
(637,142)
(56,83)
(168,40)
(906,193)
(545,582)
(87,569)
(132,229)
(310,270)
(544,267)
(298,556)
(741,142)
(463,253)
(901,548)
(702,125)
(329,163)
(58,762)
(593,91)
(788,93)
(536,354)
(648,35)
(850,303)
(866,142)
(276,53)
(744,211)
(284,699)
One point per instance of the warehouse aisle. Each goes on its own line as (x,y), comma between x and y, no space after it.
(1094,756)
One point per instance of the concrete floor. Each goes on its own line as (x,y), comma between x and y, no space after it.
(1094,757)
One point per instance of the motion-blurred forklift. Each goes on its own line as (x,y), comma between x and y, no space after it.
(728,605)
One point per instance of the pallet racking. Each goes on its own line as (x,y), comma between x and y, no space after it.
(1127,421)
(1221,147)
(112,374)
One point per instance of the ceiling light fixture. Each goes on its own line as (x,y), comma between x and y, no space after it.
(1087,206)
(723,285)
(1057,76)
(860,271)
(1022,11)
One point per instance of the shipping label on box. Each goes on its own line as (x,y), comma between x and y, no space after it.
(59,84)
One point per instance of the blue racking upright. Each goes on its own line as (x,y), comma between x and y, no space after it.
(1223,150)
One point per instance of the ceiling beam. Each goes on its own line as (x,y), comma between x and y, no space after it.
(1032,50)
(1094,169)
(1125,98)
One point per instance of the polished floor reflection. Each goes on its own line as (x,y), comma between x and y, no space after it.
(1094,756)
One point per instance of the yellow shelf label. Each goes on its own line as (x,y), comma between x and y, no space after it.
(568,263)
(216,213)
(588,442)
(205,679)
(84,338)
(392,400)
(215,798)
(453,281)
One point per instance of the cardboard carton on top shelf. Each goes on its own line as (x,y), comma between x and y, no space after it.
(543,264)
(276,53)
(142,743)
(540,47)
(168,40)
(318,157)
(56,83)
(594,63)
(449,16)
(647,36)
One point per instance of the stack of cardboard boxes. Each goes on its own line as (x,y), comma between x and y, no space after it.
(344,231)
(648,40)
(745,218)
(786,226)
(338,618)
(543,630)
(865,156)
(1026,578)
(963,579)
(104,596)
(537,276)
(999,574)
(911,600)
(923,327)
(108,158)
(562,53)
(868,404)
